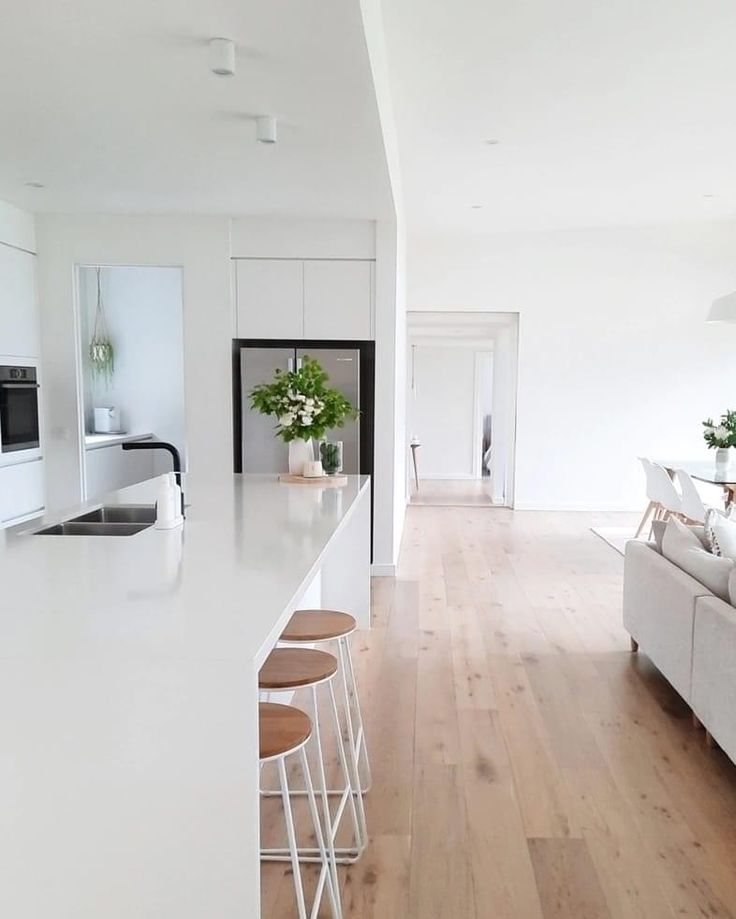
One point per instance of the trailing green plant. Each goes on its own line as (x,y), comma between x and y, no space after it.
(722,434)
(101,350)
(303,404)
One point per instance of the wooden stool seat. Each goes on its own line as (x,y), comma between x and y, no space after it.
(287,668)
(281,729)
(318,625)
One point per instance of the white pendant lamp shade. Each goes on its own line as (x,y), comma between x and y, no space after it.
(723,309)
(266,129)
(222,57)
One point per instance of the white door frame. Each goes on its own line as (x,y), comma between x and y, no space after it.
(482,331)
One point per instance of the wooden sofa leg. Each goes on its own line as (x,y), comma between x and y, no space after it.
(634,645)
(696,722)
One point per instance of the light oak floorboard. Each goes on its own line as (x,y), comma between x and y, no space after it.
(526,765)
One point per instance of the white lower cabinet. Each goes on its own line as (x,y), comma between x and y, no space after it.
(21,491)
(110,468)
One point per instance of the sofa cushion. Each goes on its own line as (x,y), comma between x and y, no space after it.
(721,533)
(659,526)
(732,587)
(683,548)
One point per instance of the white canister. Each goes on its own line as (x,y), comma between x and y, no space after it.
(313,469)
(107,420)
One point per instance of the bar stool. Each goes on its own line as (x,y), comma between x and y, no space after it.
(290,669)
(323,625)
(283,731)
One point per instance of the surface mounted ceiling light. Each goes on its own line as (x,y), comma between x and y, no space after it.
(266,129)
(222,57)
(723,309)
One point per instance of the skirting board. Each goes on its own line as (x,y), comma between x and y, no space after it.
(583,508)
(383,571)
(448,477)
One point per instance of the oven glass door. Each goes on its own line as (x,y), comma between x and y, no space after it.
(18,416)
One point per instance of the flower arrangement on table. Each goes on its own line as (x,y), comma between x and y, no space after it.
(304,405)
(722,435)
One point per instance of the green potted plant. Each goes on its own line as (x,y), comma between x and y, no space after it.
(721,436)
(305,408)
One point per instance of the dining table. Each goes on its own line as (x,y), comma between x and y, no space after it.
(706,471)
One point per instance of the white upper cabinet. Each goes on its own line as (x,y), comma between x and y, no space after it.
(338,299)
(270,295)
(19,316)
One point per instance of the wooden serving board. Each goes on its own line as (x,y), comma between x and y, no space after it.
(324,481)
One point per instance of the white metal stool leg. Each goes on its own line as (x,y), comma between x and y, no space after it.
(352,749)
(291,836)
(345,855)
(327,873)
(361,748)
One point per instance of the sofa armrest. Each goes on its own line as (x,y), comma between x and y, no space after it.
(659,611)
(714,670)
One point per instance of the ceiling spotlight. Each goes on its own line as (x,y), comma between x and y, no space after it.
(492,142)
(35,185)
(222,57)
(477,207)
(266,129)
(709,195)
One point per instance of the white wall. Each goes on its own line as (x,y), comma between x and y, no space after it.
(201,246)
(17,227)
(443,411)
(143,313)
(615,358)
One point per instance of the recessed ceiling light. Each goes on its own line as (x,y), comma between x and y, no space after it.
(477,207)
(492,141)
(35,185)
(709,195)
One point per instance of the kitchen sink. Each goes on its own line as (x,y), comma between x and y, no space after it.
(77,528)
(119,513)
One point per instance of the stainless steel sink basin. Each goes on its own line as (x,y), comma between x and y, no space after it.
(77,528)
(119,513)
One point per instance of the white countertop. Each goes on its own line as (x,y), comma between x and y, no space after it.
(128,694)
(95,441)
(214,588)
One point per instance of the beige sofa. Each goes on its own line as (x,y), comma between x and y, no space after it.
(688,633)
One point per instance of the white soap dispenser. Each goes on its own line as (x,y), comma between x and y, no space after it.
(168,503)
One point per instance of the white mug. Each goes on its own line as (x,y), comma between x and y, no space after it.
(312,469)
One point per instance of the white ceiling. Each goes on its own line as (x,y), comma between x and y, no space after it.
(112,106)
(606,111)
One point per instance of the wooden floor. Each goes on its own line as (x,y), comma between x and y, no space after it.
(453,493)
(526,764)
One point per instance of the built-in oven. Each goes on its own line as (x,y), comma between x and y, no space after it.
(19,428)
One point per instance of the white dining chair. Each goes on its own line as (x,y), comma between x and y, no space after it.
(692,505)
(664,499)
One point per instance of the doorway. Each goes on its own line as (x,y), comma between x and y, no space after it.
(461,408)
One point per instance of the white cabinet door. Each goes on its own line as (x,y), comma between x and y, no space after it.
(19,319)
(270,295)
(110,468)
(21,490)
(338,300)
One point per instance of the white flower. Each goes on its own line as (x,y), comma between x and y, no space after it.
(721,432)
(301,397)
(286,420)
(709,429)
(306,421)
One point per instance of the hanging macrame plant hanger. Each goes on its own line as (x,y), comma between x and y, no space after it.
(101,351)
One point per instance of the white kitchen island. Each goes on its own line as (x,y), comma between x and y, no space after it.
(128,695)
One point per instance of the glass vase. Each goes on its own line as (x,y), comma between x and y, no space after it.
(330,452)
